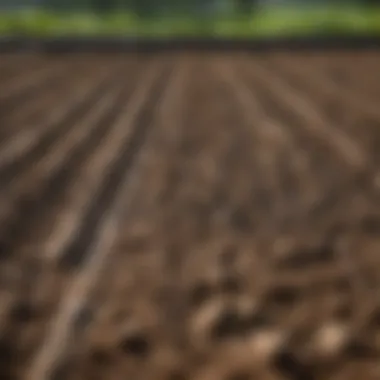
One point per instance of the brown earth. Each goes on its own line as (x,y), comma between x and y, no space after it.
(190,217)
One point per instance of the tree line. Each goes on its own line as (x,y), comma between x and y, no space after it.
(153,7)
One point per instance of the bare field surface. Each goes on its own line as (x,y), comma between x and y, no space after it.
(190,217)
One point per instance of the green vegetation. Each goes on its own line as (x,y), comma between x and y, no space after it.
(263,22)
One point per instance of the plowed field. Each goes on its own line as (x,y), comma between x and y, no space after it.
(190,216)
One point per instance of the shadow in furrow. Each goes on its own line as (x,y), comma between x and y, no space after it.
(78,250)
(33,209)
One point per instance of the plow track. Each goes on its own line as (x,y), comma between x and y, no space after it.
(186,216)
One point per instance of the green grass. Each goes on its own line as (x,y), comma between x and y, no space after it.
(276,22)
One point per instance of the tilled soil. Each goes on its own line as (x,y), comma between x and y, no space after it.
(190,216)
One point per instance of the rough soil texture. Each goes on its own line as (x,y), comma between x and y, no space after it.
(190,217)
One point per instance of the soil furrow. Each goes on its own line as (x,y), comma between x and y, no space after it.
(44,98)
(32,145)
(272,137)
(351,152)
(24,88)
(106,211)
(326,88)
(60,167)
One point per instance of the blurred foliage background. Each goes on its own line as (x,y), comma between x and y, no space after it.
(229,18)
